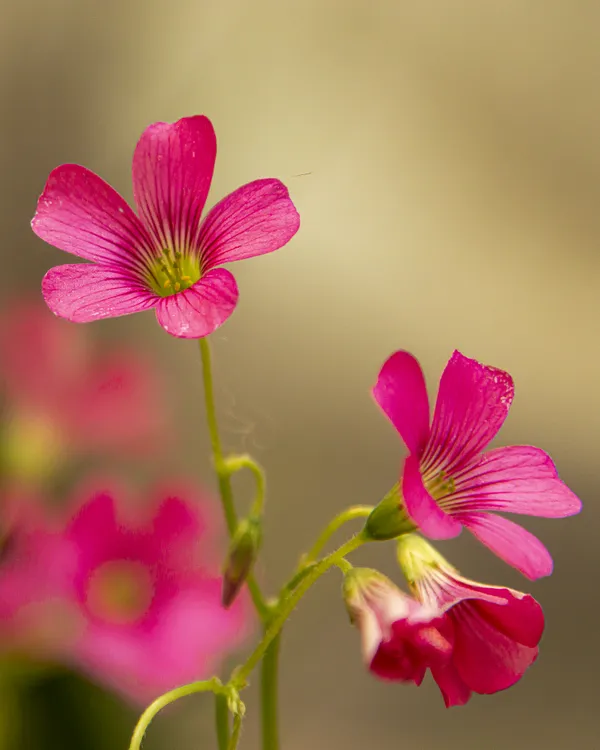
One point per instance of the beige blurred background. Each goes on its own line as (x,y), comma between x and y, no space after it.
(445,159)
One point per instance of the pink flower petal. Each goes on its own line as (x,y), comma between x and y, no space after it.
(454,691)
(518,479)
(472,403)
(511,542)
(202,308)
(421,506)
(486,659)
(521,618)
(400,392)
(255,219)
(83,215)
(172,170)
(84,292)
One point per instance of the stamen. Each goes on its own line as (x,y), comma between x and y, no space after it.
(167,284)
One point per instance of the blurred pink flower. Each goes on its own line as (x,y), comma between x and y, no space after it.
(63,398)
(164,257)
(448,482)
(401,637)
(128,593)
(494,631)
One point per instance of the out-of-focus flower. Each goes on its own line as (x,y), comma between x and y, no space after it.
(164,257)
(135,589)
(494,631)
(64,399)
(448,482)
(401,637)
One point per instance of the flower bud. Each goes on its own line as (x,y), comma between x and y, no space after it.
(389,518)
(243,551)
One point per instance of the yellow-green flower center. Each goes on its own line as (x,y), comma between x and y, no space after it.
(119,591)
(173,272)
(440,485)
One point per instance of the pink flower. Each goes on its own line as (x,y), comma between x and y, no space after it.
(64,398)
(401,637)
(137,592)
(164,257)
(494,631)
(447,480)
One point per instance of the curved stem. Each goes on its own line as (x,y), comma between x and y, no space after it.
(222,721)
(355,511)
(223,474)
(289,603)
(269,695)
(234,464)
(212,685)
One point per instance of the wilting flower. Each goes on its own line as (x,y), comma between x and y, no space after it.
(494,631)
(164,257)
(135,589)
(447,480)
(63,398)
(401,637)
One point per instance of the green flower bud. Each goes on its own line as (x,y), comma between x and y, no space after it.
(243,551)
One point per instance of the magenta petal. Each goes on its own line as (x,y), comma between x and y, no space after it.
(400,392)
(472,403)
(453,689)
(421,506)
(253,220)
(487,659)
(521,618)
(518,479)
(172,170)
(202,308)
(83,215)
(83,292)
(511,542)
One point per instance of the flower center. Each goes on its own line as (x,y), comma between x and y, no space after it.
(119,591)
(173,272)
(31,446)
(439,485)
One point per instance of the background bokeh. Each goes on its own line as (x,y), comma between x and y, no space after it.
(445,160)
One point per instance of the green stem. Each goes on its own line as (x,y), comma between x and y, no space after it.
(223,473)
(269,695)
(213,685)
(235,735)
(355,511)
(286,607)
(222,721)
(234,464)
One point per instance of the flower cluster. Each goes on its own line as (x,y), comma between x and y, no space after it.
(124,581)
(473,637)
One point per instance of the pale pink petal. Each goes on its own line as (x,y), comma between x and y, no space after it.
(400,392)
(255,219)
(202,308)
(172,170)
(454,691)
(83,215)
(84,292)
(518,479)
(486,659)
(473,401)
(511,542)
(422,508)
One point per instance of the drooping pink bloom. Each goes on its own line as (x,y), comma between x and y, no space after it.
(494,631)
(164,257)
(448,481)
(136,589)
(63,397)
(401,637)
